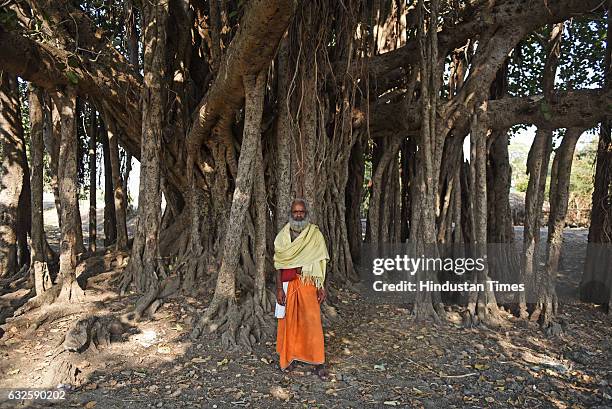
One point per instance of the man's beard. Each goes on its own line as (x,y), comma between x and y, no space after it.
(298,225)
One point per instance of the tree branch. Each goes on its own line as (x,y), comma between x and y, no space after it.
(51,68)
(529,14)
(581,108)
(250,51)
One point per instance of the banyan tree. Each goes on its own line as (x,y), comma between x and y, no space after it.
(233,108)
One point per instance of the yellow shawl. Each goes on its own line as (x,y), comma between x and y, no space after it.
(308,251)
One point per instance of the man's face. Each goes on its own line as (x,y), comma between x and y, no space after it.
(298,211)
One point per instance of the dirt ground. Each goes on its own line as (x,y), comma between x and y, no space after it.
(377,355)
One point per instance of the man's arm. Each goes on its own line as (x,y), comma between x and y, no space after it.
(280,293)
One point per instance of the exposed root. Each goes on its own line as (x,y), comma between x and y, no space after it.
(45,298)
(70,292)
(241,325)
(66,369)
(15,281)
(145,302)
(92,331)
(486,314)
(48,314)
(545,312)
(425,312)
(217,308)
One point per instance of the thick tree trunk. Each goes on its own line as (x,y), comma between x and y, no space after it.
(53,147)
(110,216)
(145,269)
(505,261)
(546,306)
(68,184)
(223,303)
(39,267)
(423,224)
(14,170)
(537,168)
(93,139)
(482,305)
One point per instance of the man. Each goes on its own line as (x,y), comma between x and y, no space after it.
(300,257)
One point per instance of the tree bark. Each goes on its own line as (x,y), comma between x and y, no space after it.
(224,299)
(482,305)
(284,138)
(39,267)
(537,168)
(14,171)
(546,308)
(145,268)
(423,224)
(53,147)
(52,142)
(68,184)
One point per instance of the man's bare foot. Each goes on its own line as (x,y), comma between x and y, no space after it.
(321,372)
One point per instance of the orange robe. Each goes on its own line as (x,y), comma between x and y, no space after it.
(299,335)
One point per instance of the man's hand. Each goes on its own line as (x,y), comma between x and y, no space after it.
(321,295)
(280,296)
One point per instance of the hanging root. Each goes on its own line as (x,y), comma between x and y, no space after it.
(242,325)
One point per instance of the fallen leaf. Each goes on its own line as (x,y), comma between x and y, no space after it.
(380,367)
(280,393)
